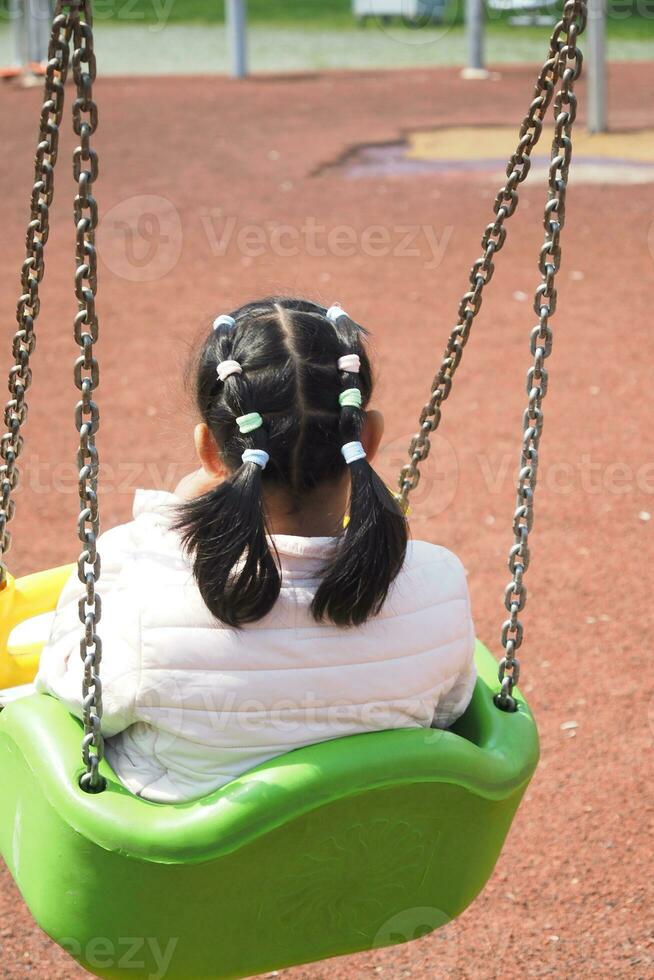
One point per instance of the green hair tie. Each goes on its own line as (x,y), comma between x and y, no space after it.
(351,398)
(250,422)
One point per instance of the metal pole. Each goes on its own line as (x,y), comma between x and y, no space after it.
(236,11)
(31,21)
(597,122)
(475,34)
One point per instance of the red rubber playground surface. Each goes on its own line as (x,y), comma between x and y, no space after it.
(183,162)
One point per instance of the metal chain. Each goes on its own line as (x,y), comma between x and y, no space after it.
(494,237)
(72,19)
(565,111)
(87,379)
(27,310)
(563,64)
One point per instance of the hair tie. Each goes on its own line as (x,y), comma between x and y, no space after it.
(351,398)
(335,312)
(250,422)
(353,451)
(226,368)
(224,321)
(258,456)
(350,362)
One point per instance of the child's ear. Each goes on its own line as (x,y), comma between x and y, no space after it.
(373,430)
(208,452)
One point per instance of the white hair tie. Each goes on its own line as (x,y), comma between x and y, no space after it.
(350,362)
(226,368)
(353,451)
(258,456)
(224,321)
(335,312)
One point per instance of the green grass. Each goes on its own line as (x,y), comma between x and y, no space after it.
(627,19)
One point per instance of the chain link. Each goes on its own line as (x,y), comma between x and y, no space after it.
(565,110)
(493,239)
(562,65)
(73,21)
(87,379)
(33,269)
(73,18)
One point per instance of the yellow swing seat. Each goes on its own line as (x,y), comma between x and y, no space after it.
(22,600)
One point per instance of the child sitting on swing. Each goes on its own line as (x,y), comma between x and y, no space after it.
(240,619)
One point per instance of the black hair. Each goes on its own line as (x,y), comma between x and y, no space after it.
(288,351)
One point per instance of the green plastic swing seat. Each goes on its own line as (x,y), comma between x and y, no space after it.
(344,846)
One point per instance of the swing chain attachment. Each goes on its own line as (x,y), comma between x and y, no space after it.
(481,273)
(32,272)
(73,20)
(87,379)
(565,111)
(564,63)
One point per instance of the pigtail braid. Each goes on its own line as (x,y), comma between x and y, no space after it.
(225,530)
(372,548)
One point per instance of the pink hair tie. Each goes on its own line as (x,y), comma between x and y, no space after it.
(226,368)
(350,362)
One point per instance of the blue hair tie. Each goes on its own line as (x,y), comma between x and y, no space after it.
(258,456)
(224,321)
(353,451)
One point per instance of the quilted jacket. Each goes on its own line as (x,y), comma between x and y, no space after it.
(189,703)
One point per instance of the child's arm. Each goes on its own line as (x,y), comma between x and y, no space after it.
(454,702)
(61,668)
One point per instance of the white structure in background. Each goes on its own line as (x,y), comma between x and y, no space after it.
(30,20)
(236,16)
(526,12)
(475,35)
(596,66)
(411,11)
(595,61)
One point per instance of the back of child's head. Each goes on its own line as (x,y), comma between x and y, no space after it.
(289,394)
